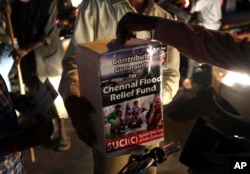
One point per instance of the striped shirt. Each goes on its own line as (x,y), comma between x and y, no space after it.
(11,164)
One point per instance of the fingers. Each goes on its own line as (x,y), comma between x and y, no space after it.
(84,131)
(80,111)
(122,38)
(131,23)
(123,32)
(90,135)
(15,55)
(72,103)
(87,106)
(90,132)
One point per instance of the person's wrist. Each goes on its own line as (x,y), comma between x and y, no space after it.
(159,28)
(28,49)
(152,22)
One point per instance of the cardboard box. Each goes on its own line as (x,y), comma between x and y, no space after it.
(114,76)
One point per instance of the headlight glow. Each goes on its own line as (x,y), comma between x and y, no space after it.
(236,78)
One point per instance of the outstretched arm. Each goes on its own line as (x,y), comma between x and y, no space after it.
(203,45)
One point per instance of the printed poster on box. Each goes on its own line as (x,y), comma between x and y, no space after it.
(130,88)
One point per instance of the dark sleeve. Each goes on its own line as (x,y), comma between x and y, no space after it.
(23,139)
(206,46)
(50,27)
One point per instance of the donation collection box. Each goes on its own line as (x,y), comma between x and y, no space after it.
(123,83)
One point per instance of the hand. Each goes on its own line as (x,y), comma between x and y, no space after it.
(21,102)
(36,134)
(18,54)
(24,138)
(6,8)
(79,110)
(245,35)
(187,83)
(132,22)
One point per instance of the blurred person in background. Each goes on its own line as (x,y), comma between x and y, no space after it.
(208,14)
(97,20)
(39,50)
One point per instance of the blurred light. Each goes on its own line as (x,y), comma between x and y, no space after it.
(239,137)
(234,78)
(57,21)
(150,51)
(76,3)
(186,3)
(24,1)
(65,43)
